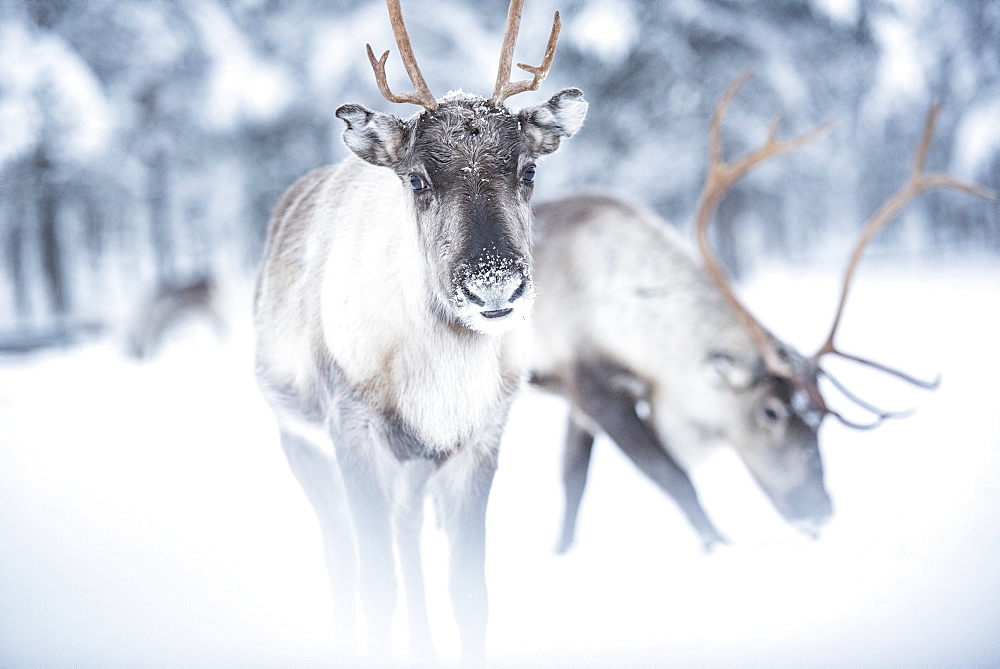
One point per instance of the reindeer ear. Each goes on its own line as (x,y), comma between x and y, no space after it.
(374,136)
(546,124)
(723,368)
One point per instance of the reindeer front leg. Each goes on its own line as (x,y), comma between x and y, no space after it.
(612,407)
(576,461)
(370,505)
(462,489)
(408,525)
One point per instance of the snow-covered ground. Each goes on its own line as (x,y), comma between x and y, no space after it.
(147,517)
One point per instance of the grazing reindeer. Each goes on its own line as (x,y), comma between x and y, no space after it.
(625,318)
(388,314)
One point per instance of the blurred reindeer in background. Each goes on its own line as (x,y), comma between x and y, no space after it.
(655,350)
(173,305)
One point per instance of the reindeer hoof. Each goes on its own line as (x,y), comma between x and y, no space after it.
(710,541)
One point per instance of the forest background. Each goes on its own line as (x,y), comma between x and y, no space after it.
(144,144)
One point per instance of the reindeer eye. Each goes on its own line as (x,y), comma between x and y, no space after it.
(529,175)
(772,411)
(416,183)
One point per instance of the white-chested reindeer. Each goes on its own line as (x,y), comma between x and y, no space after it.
(625,318)
(388,315)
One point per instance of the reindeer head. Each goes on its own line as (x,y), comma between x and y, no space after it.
(467,166)
(774,427)
(783,401)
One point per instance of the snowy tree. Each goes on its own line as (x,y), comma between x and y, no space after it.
(54,120)
(148,142)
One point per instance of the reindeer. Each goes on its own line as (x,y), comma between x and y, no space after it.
(172,304)
(390,319)
(656,350)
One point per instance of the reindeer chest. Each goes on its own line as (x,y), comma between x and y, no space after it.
(445,392)
(445,386)
(449,394)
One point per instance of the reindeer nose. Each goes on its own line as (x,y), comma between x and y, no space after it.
(810,505)
(496,293)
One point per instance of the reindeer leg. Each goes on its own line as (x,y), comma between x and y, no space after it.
(408,525)
(461,492)
(318,474)
(576,461)
(371,512)
(612,407)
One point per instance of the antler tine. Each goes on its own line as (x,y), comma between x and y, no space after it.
(892,371)
(422,94)
(504,87)
(719,177)
(725,175)
(918,183)
(879,419)
(867,406)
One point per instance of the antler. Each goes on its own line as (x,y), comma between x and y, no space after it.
(504,87)
(777,359)
(422,94)
(720,176)
(917,184)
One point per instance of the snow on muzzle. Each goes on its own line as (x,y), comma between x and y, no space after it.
(493,294)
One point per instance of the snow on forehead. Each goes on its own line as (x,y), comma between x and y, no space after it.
(469,109)
(461,96)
